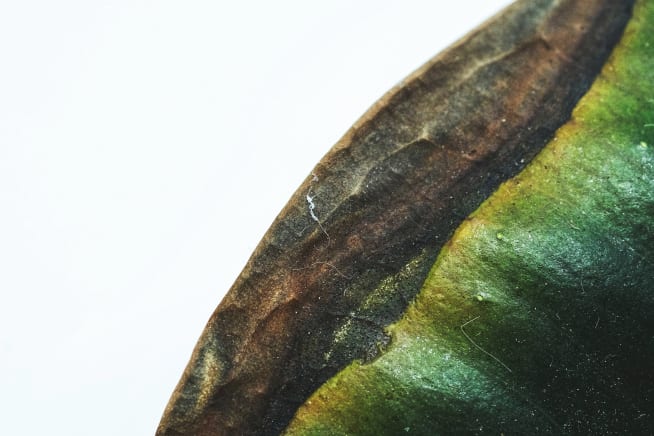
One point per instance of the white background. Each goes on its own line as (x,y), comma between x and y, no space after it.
(145,147)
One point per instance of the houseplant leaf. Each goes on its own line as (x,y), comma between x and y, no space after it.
(305,328)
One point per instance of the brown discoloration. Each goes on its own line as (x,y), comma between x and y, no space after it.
(399,182)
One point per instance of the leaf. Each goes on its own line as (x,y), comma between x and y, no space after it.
(306,325)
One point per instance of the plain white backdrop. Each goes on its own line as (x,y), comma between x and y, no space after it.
(145,148)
